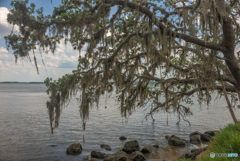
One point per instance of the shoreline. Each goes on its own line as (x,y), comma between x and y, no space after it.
(21,82)
(164,152)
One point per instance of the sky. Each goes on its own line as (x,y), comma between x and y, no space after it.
(62,62)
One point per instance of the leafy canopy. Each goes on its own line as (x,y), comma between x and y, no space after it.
(148,52)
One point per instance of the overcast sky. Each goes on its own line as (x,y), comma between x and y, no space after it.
(63,61)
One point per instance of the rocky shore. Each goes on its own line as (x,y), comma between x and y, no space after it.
(134,152)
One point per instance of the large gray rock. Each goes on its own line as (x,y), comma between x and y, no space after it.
(175,141)
(131,146)
(74,149)
(205,137)
(155,145)
(137,156)
(122,138)
(195,139)
(96,154)
(195,133)
(106,147)
(211,133)
(118,156)
(147,149)
(193,154)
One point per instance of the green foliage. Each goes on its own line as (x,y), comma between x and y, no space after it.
(226,141)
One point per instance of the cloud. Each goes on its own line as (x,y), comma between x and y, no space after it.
(3,50)
(62,62)
(5,27)
(64,57)
(67,64)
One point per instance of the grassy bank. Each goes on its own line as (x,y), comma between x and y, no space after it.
(226,141)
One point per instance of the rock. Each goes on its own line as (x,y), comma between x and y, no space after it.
(205,137)
(122,138)
(175,137)
(155,145)
(195,133)
(211,133)
(98,155)
(106,147)
(167,137)
(175,141)
(194,153)
(131,146)
(195,139)
(74,149)
(147,149)
(118,156)
(137,156)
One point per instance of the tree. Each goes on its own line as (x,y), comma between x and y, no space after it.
(162,52)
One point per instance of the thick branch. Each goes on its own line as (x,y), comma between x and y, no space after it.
(161,26)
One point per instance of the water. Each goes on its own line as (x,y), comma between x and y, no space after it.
(25,131)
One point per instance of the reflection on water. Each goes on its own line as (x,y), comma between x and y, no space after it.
(25,130)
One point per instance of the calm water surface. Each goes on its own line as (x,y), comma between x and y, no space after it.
(25,131)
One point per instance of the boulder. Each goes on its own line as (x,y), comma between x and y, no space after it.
(194,153)
(106,147)
(175,137)
(167,137)
(195,133)
(175,141)
(96,154)
(195,139)
(122,138)
(211,133)
(155,145)
(137,156)
(205,137)
(118,156)
(147,149)
(74,149)
(131,146)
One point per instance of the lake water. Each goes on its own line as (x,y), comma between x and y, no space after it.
(25,131)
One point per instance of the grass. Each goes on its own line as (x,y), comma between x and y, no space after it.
(226,141)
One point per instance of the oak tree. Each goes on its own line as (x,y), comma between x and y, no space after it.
(149,52)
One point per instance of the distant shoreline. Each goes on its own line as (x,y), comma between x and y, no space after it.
(15,82)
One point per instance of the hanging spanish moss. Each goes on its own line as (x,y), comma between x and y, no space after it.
(143,52)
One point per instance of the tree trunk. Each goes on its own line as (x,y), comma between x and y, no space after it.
(226,97)
(229,105)
(229,49)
